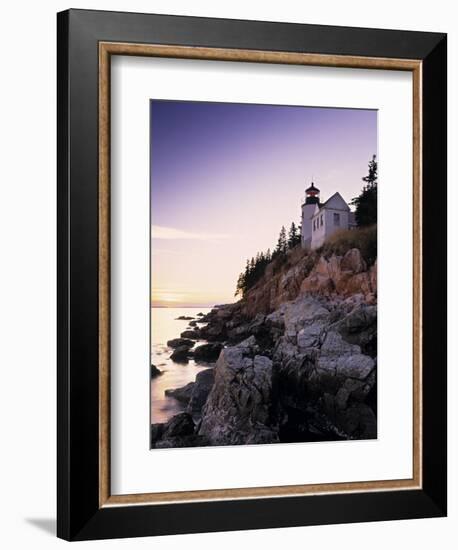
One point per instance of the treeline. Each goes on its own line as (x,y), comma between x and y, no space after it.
(255,267)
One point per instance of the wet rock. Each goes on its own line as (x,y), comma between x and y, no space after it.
(184,318)
(193,334)
(207,352)
(155,371)
(180,354)
(180,342)
(182,394)
(214,331)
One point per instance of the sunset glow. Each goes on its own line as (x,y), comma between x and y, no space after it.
(226,177)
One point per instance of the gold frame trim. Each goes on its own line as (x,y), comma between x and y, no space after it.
(106,50)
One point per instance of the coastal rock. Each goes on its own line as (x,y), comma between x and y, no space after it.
(301,357)
(155,371)
(156,433)
(237,410)
(321,379)
(207,352)
(180,354)
(182,394)
(193,334)
(180,342)
(200,391)
(179,425)
(184,318)
(179,431)
(360,327)
(249,347)
(353,261)
(214,331)
(342,276)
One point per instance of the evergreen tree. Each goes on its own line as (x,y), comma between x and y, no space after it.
(366,203)
(256,266)
(293,236)
(282,244)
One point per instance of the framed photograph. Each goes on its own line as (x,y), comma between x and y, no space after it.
(251,275)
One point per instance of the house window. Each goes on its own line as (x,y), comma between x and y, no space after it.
(336,219)
(321,220)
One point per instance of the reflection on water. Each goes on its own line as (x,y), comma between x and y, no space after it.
(165,326)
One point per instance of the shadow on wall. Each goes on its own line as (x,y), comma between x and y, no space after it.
(48,525)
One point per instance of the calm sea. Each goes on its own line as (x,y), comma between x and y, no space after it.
(165,326)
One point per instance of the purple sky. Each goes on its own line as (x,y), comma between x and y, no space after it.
(225,177)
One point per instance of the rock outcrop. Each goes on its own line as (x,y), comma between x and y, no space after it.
(311,273)
(179,431)
(179,342)
(207,352)
(296,359)
(238,408)
(180,354)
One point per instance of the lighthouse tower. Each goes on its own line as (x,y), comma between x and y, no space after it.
(311,204)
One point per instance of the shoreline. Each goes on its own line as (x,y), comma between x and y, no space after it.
(301,369)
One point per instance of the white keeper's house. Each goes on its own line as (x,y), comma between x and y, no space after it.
(320,220)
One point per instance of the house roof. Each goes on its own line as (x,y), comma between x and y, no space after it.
(336,202)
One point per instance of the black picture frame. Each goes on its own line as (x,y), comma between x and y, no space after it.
(80,516)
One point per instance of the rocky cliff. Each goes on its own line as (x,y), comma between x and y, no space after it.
(296,358)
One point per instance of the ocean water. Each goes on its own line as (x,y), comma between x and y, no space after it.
(164,327)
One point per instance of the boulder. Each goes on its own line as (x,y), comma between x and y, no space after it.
(156,433)
(155,371)
(179,431)
(180,354)
(238,408)
(360,327)
(324,375)
(207,352)
(342,359)
(180,342)
(214,331)
(353,261)
(182,394)
(193,334)
(179,425)
(200,391)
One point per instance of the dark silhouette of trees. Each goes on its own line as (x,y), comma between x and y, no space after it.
(366,203)
(294,236)
(282,243)
(256,266)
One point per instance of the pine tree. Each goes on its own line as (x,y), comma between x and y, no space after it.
(292,236)
(281,243)
(366,203)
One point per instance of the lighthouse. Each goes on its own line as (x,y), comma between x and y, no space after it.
(312,203)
